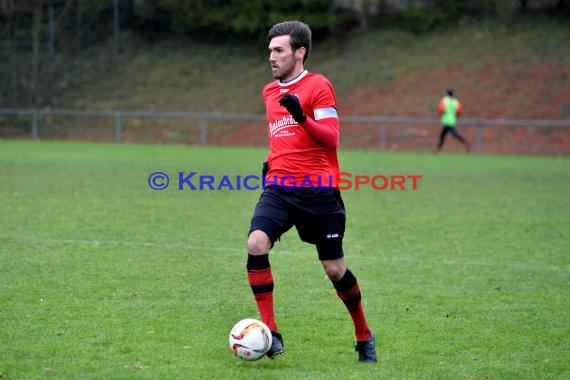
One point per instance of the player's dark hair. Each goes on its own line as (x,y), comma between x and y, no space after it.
(449,92)
(299,32)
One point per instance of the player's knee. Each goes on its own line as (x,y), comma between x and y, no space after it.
(258,243)
(334,269)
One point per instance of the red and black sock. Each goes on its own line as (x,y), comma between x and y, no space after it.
(349,292)
(261,282)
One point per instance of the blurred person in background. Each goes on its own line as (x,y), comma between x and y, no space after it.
(450,108)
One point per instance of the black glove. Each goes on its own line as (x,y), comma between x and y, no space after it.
(291,102)
(264,169)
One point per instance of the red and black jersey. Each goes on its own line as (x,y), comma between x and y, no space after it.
(298,156)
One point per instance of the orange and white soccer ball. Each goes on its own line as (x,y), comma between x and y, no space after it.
(250,339)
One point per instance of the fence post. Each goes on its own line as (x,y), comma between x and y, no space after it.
(479,147)
(382,137)
(204,131)
(34,124)
(118,127)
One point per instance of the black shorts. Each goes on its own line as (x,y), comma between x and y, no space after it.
(317,214)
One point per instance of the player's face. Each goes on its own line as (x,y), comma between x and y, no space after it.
(285,63)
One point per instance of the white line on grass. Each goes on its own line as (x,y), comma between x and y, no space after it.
(236,248)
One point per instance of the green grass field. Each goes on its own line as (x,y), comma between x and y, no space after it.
(466,277)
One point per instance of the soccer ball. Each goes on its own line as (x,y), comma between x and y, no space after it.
(250,339)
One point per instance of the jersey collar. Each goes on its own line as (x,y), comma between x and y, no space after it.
(294,80)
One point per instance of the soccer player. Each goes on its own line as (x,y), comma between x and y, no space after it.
(449,108)
(302,175)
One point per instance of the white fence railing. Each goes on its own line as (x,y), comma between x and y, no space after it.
(205,120)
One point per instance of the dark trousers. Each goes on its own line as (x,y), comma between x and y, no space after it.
(448,129)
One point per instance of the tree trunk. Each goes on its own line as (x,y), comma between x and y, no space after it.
(78,24)
(37,19)
(382,8)
(8,10)
(563,5)
(508,8)
(364,14)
